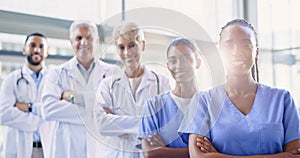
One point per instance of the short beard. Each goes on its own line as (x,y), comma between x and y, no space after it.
(30,61)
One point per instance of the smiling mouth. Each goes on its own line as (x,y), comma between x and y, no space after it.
(36,54)
(84,48)
(237,62)
(129,59)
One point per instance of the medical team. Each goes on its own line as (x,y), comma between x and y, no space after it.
(86,108)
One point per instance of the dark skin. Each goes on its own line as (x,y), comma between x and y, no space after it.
(182,62)
(204,145)
(238,49)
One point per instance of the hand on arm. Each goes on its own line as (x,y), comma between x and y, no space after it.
(155,141)
(293,147)
(291,150)
(205,145)
(23,106)
(107,110)
(155,147)
(68,95)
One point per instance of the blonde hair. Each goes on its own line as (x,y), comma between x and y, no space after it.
(129,30)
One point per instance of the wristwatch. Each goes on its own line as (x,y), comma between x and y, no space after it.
(30,107)
(72,97)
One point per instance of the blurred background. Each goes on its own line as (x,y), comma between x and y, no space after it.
(276,21)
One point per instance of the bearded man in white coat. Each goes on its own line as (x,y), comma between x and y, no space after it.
(20,103)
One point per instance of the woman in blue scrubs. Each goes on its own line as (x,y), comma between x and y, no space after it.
(242,117)
(164,113)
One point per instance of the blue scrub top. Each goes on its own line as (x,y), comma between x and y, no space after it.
(162,115)
(272,122)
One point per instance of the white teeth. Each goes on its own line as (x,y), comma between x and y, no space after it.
(83,48)
(237,62)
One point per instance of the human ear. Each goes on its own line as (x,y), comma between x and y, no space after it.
(23,50)
(143,43)
(198,61)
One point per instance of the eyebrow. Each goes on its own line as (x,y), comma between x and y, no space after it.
(246,40)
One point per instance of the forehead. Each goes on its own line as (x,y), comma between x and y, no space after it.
(36,40)
(237,31)
(82,31)
(124,40)
(181,49)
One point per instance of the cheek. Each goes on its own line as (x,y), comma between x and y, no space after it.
(90,43)
(171,68)
(120,53)
(75,44)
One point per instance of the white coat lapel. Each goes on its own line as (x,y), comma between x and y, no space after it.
(148,81)
(29,89)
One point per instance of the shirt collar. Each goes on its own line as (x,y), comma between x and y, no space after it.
(33,74)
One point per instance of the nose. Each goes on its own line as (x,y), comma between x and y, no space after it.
(125,52)
(178,64)
(37,49)
(83,41)
(234,50)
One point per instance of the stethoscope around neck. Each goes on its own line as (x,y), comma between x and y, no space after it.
(115,81)
(22,78)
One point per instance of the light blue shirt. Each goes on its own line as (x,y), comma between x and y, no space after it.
(272,122)
(163,116)
(37,80)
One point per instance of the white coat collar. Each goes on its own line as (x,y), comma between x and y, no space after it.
(148,79)
(71,68)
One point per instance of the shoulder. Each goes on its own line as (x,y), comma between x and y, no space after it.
(111,81)
(213,92)
(160,98)
(156,103)
(271,91)
(13,75)
(154,75)
(211,97)
(106,65)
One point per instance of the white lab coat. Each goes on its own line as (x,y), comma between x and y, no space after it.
(116,94)
(73,135)
(18,138)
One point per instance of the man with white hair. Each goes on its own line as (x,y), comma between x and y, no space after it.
(69,95)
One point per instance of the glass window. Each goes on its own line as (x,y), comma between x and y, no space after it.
(279,29)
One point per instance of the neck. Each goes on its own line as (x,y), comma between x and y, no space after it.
(185,90)
(240,85)
(139,71)
(36,68)
(86,64)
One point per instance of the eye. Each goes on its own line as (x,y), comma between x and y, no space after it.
(78,38)
(248,46)
(228,45)
(121,47)
(89,37)
(32,45)
(172,61)
(41,46)
(132,45)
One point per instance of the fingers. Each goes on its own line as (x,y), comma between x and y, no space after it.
(107,110)
(155,140)
(66,95)
(295,151)
(22,106)
(205,145)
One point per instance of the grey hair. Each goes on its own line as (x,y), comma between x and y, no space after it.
(83,23)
